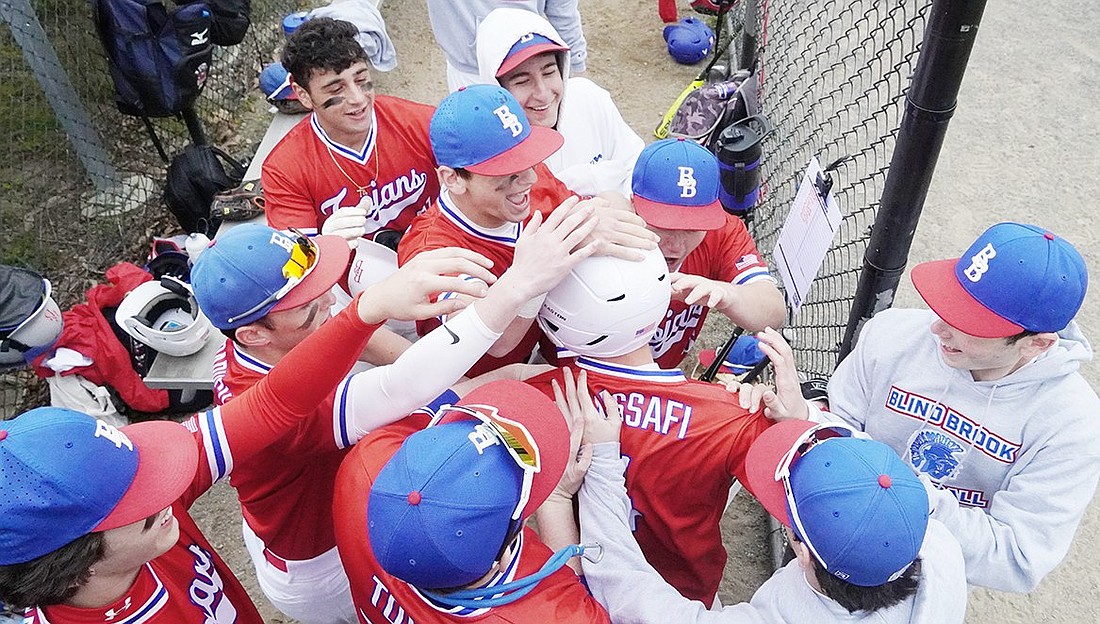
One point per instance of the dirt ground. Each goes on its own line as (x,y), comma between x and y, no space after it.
(1022,146)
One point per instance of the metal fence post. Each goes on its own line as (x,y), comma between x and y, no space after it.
(929,106)
(51,76)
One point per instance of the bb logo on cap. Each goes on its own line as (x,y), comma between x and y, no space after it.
(979,263)
(103,430)
(688,185)
(483,437)
(508,120)
(277,238)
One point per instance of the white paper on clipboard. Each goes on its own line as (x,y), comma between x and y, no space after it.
(806,236)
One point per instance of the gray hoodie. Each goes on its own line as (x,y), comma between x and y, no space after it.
(1017,458)
(454,23)
(633,593)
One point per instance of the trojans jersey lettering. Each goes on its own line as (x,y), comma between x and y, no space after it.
(686,441)
(725,255)
(307,175)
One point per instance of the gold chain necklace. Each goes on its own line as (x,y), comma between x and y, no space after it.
(361,189)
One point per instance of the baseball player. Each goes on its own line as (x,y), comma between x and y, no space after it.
(855,516)
(521,51)
(431,521)
(287,505)
(983,395)
(455,26)
(713,258)
(360,164)
(686,439)
(93,520)
(490,165)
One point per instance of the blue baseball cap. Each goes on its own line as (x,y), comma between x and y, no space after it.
(275,83)
(1015,277)
(743,356)
(242,276)
(442,507)
(531,44)
(483,129)
(65,474)
(675,186)
(859,508)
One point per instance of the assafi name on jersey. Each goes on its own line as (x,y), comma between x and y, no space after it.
(939,415)
(654,413)
(672,329)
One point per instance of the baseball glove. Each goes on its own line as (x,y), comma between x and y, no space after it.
(240,204)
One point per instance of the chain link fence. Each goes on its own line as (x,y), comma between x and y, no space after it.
(834,77)
(81,184)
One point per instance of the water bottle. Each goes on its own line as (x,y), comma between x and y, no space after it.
(195,244)
(740,149)
(722,90)
(293,21)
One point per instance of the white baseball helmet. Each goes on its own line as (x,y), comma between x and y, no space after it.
(165,316)
(607,307)
(25,335)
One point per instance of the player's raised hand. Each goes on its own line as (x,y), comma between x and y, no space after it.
(548,249)
(348,222)
(411,292)
(620,232)
(692,289)
(785,401)
(575,403)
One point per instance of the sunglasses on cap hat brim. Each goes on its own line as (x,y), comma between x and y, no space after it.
(513,436)
(302,261)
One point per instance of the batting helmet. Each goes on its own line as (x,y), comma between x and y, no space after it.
(689,41)
(165,316)
(606,306)
(30,320)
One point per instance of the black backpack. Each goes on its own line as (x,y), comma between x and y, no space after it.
(230,21)
(158,58)
(194,177)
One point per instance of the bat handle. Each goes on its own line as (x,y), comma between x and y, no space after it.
(720,356)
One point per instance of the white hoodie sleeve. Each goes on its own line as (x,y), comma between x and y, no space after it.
(622,580)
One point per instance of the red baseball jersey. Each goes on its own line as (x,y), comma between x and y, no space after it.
(286,489)
(190,584)
(307,175)
(686,441)
(726,255)
(380,597)
(444,225)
